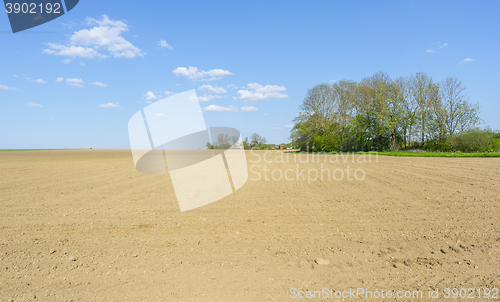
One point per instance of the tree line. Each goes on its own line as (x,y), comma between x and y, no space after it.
(380,114)
(258,142)
(255,142)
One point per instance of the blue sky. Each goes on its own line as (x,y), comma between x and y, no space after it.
(76,81)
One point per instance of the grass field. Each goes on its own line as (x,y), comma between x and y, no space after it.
(439,154)
(7,150)
(418,154)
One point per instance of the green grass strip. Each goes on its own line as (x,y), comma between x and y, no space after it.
(439,154)
(415,154)
(8,150)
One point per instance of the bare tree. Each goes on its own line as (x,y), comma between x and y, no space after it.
(436,124)
(257,139)
(421,90)
(409,107)
(458,114)
(344,100)
(318,106)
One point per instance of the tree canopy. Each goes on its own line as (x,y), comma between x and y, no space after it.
(379,113)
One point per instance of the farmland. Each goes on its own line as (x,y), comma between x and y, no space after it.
(85,225)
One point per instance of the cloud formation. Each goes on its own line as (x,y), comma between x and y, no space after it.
(98,84)
(78,82)
(193,73)
(101,41)
(3,87)
(164,44)
(439,46)
(467,60)
(33,105)
(150,96)
(169,93)
(208,97)
(217,108)
(213,89)
(249,108)
(75,82)
(110,105)
(257,92)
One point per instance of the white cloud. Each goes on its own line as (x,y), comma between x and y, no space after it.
(170,93)
(98,84)
(439,45)
(332,81)
(208,97)
(78,82)
(82,64)
(278,128)
(110,105)
(39,81)
(163,43)
(193,98)
(232,86)
(217,73)
(213,89)
(75,82)
(66,61)
(249,108)
(69,25)
(289,126)
(467,60)
(72,51)
(150,96)
(257,92)
(33,105)
(15,75)
(195,74)
(218,108)
(3,87)
(88,43)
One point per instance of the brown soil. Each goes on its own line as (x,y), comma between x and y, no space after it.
(84,225)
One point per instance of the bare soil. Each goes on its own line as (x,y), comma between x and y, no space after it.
(84,225)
